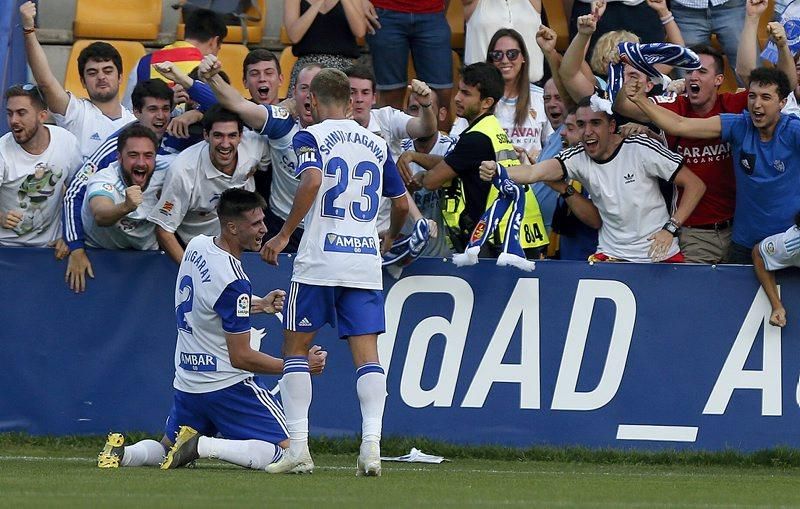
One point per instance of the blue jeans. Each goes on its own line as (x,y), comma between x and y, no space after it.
(427,36)
(726,20)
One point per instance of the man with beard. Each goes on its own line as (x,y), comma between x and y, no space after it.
(479,89)
(152,104)
(118,200)
(35,161)
(621,174)
(227,158)
(100,67)
(278,127)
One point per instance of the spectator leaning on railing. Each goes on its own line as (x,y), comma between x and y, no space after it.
(764,144)
(621,174)
(35,162)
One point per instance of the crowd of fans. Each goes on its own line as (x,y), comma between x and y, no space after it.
(617,161)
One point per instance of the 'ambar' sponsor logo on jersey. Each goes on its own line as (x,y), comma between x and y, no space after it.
(346,244)
(198,362)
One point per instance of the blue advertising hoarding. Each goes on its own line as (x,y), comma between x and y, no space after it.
(620,355)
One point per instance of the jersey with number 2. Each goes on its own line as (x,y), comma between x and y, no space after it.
(340,243)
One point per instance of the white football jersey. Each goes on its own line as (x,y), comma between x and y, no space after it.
(625,190)
(428,202)
(34,185)
(133,231)
(392,125)
(212,297)
(90,125)
(188,204)
(340,241)
(279,130)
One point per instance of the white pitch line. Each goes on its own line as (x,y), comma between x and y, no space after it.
(657,433)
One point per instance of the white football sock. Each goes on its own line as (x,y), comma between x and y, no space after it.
(255,454)
(145,453)
(296,397)
(371,389)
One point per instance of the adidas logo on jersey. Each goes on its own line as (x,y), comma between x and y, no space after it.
(304,322)
(629,178)
(95,137)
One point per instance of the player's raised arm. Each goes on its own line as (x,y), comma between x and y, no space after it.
(252,114)
(670,122)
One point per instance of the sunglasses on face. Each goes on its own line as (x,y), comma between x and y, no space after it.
(497,55)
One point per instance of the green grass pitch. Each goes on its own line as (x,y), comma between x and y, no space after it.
(46,473)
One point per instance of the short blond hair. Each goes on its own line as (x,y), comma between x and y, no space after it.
(606,47)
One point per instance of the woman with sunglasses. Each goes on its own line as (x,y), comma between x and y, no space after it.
(521,109)
(484,17)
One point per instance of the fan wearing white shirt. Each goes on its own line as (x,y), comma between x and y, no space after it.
(622,177)
(100,66)
(278,127)
(35,161)
(119,198)
(390,124)
(227,158)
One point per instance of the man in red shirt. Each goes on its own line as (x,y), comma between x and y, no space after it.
(419,26)
(706,233)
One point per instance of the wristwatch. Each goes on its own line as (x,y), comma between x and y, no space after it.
(672,227)
(569,191)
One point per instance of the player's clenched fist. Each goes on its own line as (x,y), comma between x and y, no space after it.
(133,197)
(316,359)
(27,14)
(488,170)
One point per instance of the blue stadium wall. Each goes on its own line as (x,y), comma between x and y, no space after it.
(629,356)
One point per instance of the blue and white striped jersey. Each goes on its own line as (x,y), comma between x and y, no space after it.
(340,241)
(104,156)
(212,297)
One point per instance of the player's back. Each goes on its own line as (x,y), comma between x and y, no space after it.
(340,241)
(212,297)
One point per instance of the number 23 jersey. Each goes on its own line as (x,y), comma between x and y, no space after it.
(340,242)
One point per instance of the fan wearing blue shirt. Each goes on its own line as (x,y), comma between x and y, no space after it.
(763,143)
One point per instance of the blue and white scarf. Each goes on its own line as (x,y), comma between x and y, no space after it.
(511,195)
(643,58)
(407,248)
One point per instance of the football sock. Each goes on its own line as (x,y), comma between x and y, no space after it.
(145,453)
(296,396)
(255,454)
(371,389)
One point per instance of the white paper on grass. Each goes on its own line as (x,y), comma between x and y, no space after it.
(416,456)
